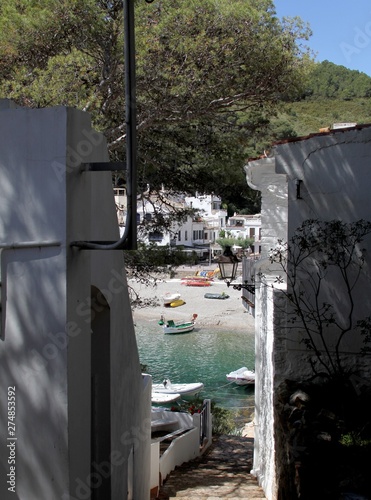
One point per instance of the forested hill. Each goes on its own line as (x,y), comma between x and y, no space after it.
(330,81)
(333,94)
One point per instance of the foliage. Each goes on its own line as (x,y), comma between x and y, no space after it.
(326,434)
(148,263)
(355,439)
(321,257)
(210,115)
(223,422)
(307,117)
(209,77)
(194,405)
(207,99)
(163,213)
(152,259)
(333,94)
(331,81)
(229,241)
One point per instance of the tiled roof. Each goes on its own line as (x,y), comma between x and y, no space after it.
(321,132)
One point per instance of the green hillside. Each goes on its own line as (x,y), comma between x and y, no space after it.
(306,117)
(333,94)
(331,81)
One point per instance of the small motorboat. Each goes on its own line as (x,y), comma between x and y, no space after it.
(178,327)
(219,296)
(162,398)
(183,389)
(242,376)
(174,327)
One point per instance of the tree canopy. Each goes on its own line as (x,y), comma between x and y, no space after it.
(210,75)
(330,81)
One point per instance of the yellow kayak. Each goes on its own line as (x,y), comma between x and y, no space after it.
(177,303)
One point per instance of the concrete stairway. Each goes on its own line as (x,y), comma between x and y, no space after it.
(223,472)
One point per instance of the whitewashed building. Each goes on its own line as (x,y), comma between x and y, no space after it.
(70,374)
(325,176)
(246,227)
(205,228)
(197,235)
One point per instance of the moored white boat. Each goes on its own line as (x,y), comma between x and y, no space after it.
(162,398)
(172,326)
(183,389)
(168,298)
(242,376)
(181,327)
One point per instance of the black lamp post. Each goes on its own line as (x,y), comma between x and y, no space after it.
(228,264)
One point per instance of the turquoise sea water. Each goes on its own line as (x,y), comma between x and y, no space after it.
(204,355)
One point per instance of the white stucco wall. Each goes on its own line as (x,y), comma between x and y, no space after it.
(34,291)
(335,172)
(45,349)
(130,394)
(261,175)
(335,175)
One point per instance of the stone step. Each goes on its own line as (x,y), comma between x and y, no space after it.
(223,472)
(216,496)
(211,496)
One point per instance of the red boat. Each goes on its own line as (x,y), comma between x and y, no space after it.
(196,282)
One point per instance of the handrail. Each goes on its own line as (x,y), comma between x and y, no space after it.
(204,420)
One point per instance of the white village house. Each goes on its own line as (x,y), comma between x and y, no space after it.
(246,227)
(197,234)
(67,346)
(76,418)
(324,176)
(200,233)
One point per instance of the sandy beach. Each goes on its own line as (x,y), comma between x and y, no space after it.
(229,313)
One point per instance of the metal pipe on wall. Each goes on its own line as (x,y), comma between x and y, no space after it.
(128,240)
